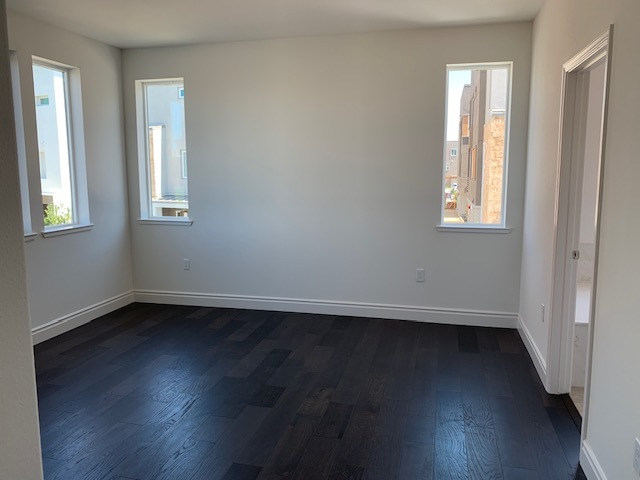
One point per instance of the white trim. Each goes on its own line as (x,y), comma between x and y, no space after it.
(560,334)
(591,54)
(472,229)
(166,221)
(331,307)
(23,174)
(80,317)
(66,230)
(590,464)
(534,352)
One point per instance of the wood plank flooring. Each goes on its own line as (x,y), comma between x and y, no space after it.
(189,393)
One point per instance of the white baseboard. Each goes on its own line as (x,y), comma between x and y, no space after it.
(328,307)
(590,464)
(534,352)
(76,319)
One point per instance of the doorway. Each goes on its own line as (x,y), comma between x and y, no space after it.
(578,194)
(591,82)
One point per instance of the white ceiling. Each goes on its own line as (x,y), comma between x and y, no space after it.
(144,23)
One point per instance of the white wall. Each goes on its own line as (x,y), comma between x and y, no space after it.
(19,437)
(72,273)
(561,30)
(315,170)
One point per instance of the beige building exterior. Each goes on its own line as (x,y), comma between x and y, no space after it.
(463,153)
(451,164)
(481,167)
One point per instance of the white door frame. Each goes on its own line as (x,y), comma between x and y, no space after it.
(567,213)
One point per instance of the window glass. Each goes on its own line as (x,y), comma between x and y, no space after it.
(478,98)
(54,144)
(166,155)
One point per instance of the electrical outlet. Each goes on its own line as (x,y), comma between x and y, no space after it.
(186,264)
(636,457)
(542,311)
(419,274)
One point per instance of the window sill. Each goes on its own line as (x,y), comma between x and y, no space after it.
(30,237)
(67,230)
(472,229)
(168,221)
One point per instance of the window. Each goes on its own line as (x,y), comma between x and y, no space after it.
(477,122)
(60,136)
(464,125)
(164,189)
(42,100)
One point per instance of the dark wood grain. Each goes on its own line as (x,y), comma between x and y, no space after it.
(384,458)
(289,450)
(239,471)
(317,459)
(357,439)
(335,420)
(346,472)
(451,461)
(482,453)
(468,340)
(417,461)
(167,392)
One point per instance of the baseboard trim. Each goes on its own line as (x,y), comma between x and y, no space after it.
(534,352)
(328,307)
(589,463)
(80,317)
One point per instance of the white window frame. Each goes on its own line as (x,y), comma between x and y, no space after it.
(479,227)
(184,172)
(144,175)
(77,160)
(29,234)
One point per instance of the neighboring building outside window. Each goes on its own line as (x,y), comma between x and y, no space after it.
(163,180)
(478,103)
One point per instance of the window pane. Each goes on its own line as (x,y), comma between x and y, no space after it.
(166,152)
(56,179)
(477,107)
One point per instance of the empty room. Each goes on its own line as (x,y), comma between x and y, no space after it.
(319,240)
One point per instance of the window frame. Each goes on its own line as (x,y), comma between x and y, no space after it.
(184,171)
(501,227)
(142,138)
(76,149)
(23,175)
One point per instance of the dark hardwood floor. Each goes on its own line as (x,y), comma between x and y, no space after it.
(169,392)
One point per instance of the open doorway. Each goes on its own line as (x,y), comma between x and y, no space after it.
(582,139)
(592,83)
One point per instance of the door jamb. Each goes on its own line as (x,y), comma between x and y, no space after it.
(561,326)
